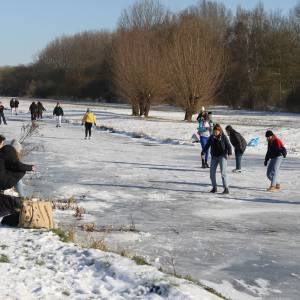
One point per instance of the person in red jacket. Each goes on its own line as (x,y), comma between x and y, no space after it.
(276,152)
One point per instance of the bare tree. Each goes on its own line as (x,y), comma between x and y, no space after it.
(137,53)
(195,64)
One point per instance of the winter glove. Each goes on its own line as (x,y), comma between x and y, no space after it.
(266,163)
(284,152)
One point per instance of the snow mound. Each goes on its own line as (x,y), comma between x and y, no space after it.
(36,265)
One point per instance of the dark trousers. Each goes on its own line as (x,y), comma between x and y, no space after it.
(9,204)
(33,116)
(238,159)
(2,117)
(88,129)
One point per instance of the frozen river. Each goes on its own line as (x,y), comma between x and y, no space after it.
(246,245)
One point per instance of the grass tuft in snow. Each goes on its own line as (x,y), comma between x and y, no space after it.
(4,258)
(99,245)
(205,287)
(3,247)
(140,260)
(64,236)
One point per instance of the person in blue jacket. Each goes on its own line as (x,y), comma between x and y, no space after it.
(204,133)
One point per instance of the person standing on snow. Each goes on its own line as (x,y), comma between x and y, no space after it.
(2,117)
(220,151)
(239,144)
(276,151)
(40,110)
(88,120)
(12,170)
(204,133)
(58,113)
(33,111)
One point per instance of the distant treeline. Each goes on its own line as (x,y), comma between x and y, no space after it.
(202,55)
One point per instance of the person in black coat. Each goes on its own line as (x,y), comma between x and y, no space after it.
(239,144)
(16,105)
(12,105)
(12,170)
(33,108)
(220,151)
(2,117)
(58,113)
(40,110)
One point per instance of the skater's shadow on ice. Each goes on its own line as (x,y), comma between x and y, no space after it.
(141,187)
(152,166)
(206,185)
(57,138)
(264,200)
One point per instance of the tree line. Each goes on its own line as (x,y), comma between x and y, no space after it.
(202,55)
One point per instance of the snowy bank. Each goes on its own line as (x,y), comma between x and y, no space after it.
(36,265)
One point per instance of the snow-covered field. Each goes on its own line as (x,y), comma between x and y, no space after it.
(38,266)
(245,245)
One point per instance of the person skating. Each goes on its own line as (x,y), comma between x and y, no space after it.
(210,121)
(220,151)
(12,170)
(2,116)
(40,110)
(16,105)
(204,133)
(33,111)
(58,113)
(88,120)
(12,105)
(239,144)
(276,151)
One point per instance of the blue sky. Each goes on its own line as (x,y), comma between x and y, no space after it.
(26,26)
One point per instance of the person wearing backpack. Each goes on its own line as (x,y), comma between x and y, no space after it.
(88,120)
(239,144)
(58,113)
(220,152)
(276,152)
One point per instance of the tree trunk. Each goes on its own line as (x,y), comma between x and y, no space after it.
(147,109)
(188,115)
(135,109)
(142,108)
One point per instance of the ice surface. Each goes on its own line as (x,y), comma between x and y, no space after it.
(246,245)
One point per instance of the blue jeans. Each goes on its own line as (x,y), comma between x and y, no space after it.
(238,160)
(20,188)
(215,161)
(203,142)
(273,170)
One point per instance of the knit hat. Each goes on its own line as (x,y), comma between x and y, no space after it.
(228,128)
(16,145)
(269,133)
